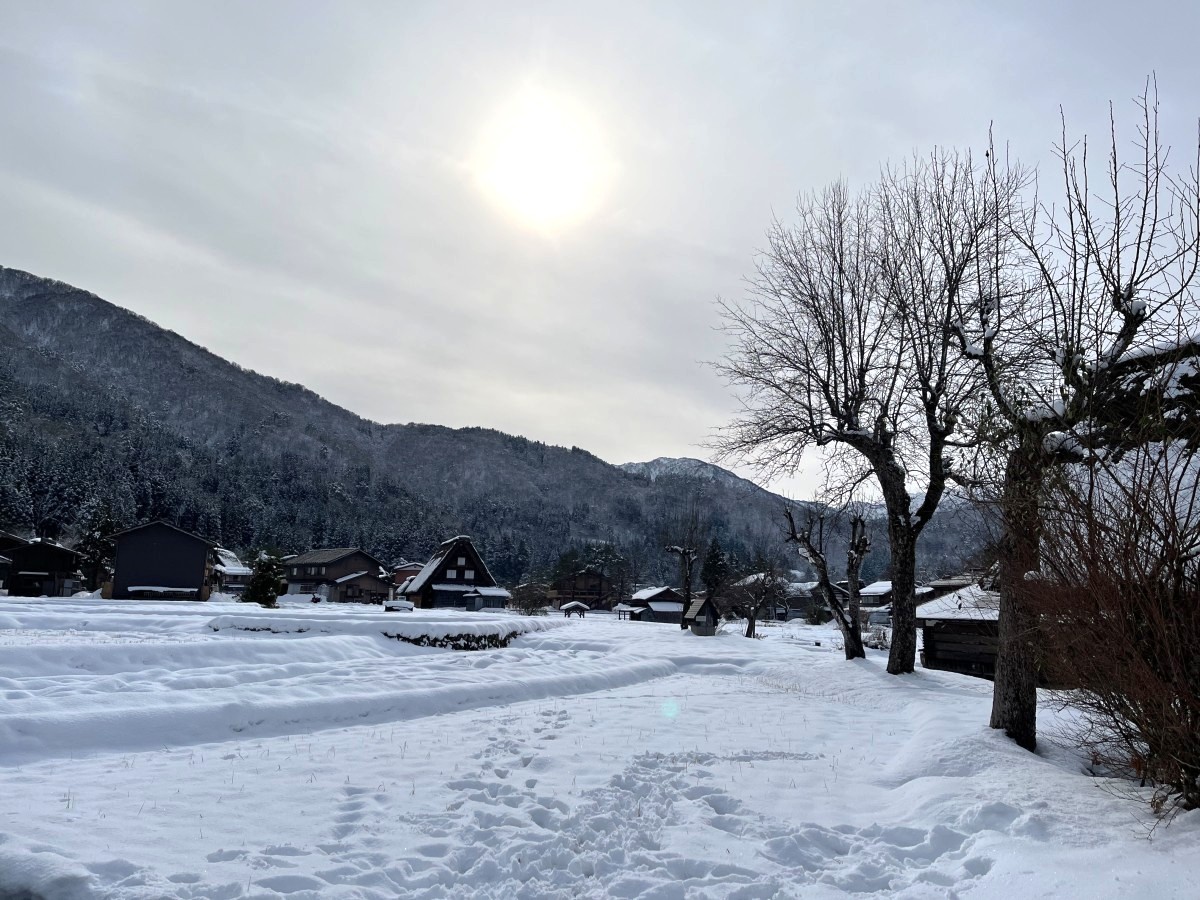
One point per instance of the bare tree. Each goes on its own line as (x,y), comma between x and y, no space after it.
(811,543)
(845,344)
(1078,326)
(687,562)
(1118,612)
(757,594)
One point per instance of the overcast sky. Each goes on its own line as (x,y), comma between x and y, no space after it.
(297,186)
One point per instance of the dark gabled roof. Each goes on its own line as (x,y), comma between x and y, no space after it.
(418,581)
(5,559)
(322,557)
(8,539)
(197,537)
(39,543)
(696,608)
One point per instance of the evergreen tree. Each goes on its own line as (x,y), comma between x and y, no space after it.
(266,581)
(716,571)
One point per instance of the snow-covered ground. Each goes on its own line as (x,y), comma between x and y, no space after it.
(153,750)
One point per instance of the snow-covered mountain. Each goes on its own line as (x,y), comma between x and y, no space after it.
(687,467)
(104,412)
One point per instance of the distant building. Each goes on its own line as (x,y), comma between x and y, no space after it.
(340,575)
(586,586)
(455,577)
(656,604)
(702,617)
(961,632)
(232,576)
(403,571)
(158,560)
(41,568)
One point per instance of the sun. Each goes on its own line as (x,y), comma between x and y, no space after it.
(542,160)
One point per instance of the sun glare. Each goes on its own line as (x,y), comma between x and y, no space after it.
(542,160)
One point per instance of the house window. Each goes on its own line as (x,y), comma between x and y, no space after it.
(322,572)
(462,560)
(451,574)
(469,575)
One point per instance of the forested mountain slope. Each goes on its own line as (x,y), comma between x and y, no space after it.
(107,419)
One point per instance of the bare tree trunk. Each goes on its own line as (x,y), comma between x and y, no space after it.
(1014,697)
(750,620)
(902,657)
(860,543)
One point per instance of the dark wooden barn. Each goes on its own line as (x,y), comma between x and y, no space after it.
(40,568)
(455,577)
(585,586)
(661,604)
(340,575)
(159,561)
(5,565)
(960,632)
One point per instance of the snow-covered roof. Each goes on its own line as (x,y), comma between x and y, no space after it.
(158,589)
(404,584)
(574,604)
(350,577)
(5,559)
(971,602)
(625,607)
(647,593)
(418,581)
(876,589)
(666,606)
(229,563)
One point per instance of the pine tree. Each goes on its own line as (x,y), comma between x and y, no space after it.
(266,581)
(716,571)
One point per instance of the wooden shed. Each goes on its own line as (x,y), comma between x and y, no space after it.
(41,568)
(702,617)
(159,561)
(658,604)
(960,632)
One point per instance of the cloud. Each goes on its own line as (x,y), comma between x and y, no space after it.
(290,184)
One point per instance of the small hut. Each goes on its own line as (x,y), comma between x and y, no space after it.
(960,632)
(576,607)
(624,610)
(702,617)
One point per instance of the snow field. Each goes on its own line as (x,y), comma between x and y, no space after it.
(601,759)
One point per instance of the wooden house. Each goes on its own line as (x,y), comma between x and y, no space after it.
(455,577)
(585,586)
(657,604)
(157,560)
(403,571)
(41,568)
(340,575)
(960,632)
(702,617)
(5,566)
(231,575)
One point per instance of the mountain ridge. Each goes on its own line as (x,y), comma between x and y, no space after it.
(136,419)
